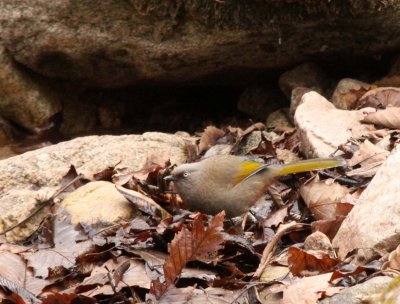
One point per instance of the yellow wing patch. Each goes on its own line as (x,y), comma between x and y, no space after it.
(246,168)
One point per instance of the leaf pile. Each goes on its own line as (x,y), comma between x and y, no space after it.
(281,251)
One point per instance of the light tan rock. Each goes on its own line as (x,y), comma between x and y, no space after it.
(43,169)
(323,128)
(17,205)
(98,202)
(26,100)
(373,224)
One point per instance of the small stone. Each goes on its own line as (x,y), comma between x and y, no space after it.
(307,75)
(279,120)
(98,201)
(317,241)
(348,91)
(323,128)
(373,224)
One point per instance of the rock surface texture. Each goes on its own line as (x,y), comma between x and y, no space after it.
(323,128)
(117,43)
(29,179)
(373,225)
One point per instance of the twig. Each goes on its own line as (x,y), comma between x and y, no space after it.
(46,203)
(270,248)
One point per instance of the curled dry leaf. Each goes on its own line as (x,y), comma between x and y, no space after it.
(322,197)
(388,118)
(369,157)
(209,138)
(142,202)
(379,97)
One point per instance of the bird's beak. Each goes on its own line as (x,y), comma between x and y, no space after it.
(170,178)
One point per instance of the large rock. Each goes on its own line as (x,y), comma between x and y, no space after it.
(116,43)
(29,179)
(25,99)
(323,128)
(372,227)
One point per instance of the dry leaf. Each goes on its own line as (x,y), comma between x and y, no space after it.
(311,262)
(65,250)
(379,97)
(322,197)
(309,290)
(199,243)
(328,227)
(210,137)
(142,202)
(388,118)
(369,157)
(13,268)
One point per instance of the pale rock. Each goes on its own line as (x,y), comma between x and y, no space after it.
(98,201)
(370,289)
(25,100)
(307,75)
(19,204)
(43,169)
(323,128)
(348,91)
(372,227)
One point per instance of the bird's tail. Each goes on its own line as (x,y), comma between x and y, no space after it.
(309,165)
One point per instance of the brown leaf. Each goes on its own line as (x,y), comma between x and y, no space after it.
(388,118)
(199,243)
(98,282)
(350,270)
(328,227)
(65,250)
(308,290)
(380,97)
(322,197)
(309,262)
(210,137)
(277,217)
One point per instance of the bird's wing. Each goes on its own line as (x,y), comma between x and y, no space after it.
(248,168)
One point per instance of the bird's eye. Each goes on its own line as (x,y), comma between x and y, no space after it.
(185,174)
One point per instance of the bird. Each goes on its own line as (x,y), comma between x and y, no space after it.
(233,183)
